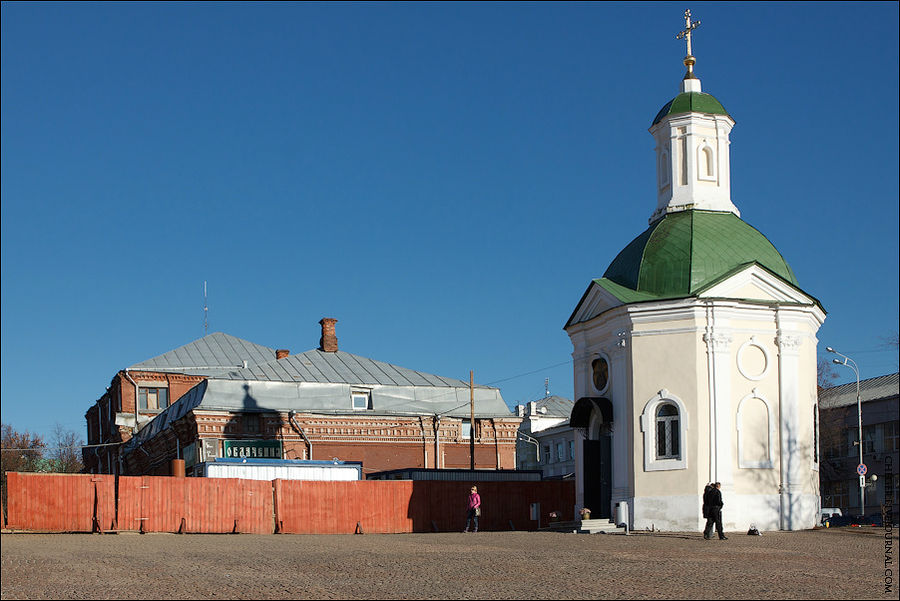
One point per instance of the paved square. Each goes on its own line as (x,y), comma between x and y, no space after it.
(831,564)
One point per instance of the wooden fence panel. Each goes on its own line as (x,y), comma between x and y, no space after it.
(130,509)
(104,502)
(52,502)
(83,503)
(257,508)
(307,507)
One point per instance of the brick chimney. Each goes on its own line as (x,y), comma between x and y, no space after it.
(328,342)
(282,353)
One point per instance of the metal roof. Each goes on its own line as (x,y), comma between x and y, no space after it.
(690,102)
(338,368)
(682,252)
(209,355)
(557,406)
(329,398)
(872,389)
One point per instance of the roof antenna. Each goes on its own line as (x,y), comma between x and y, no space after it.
(546,388)
(205,311)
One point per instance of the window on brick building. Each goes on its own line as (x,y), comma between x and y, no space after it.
(466,431)
(153,399)
(251,423)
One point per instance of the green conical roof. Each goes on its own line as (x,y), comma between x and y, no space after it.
(691,102)
(682,253)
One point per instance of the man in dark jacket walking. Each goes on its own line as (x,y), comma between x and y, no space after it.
(712,500)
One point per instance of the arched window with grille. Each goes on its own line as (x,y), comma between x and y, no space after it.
(664,425)
(668,441)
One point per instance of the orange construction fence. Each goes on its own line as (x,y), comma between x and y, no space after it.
(101,503)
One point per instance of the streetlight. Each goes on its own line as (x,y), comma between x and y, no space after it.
(848,362)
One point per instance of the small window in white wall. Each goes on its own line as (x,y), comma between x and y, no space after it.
(664,424)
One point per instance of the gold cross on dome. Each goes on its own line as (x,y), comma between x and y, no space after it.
(689,26)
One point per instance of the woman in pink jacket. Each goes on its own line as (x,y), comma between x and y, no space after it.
(473,509)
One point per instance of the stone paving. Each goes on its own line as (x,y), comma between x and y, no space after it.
(831,564)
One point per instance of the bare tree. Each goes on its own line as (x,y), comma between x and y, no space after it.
(19,452)
(65,451)
(825,374)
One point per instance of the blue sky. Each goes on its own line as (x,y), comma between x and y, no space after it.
(444,179)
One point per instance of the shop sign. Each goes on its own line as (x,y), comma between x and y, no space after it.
(252,449)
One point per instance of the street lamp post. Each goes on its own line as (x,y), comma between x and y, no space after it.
(848,362)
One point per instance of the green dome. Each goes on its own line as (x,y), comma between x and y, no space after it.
(691,102)
(682,253)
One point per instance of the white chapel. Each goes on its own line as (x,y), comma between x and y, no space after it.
(695,353)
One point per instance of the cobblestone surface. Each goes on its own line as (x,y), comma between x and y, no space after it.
(831,564)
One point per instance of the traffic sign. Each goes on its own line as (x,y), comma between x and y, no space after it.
(861,469)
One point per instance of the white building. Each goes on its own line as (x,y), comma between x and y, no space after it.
(546,442)
(695,353)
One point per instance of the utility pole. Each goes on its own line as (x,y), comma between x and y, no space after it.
(472,419)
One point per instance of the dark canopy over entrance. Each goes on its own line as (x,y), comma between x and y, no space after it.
(597,455)
(581,412)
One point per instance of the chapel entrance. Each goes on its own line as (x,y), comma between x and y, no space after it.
(598,477)
(593,417)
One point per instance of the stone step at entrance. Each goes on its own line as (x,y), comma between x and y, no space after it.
(598,526)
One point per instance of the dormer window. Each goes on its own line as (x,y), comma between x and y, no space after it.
(361,400)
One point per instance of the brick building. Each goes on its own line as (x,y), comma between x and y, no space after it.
(155,384)
(320,404)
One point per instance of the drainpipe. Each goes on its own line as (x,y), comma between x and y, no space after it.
(136,412)
(100,420)
(436,424)
(711,383)
(781,491)
(496,441)
(424,443)
(299,430)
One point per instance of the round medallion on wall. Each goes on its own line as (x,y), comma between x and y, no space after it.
(753,360)
(600,369)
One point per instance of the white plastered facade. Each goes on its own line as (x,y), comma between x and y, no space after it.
(737,361)
(742,373)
